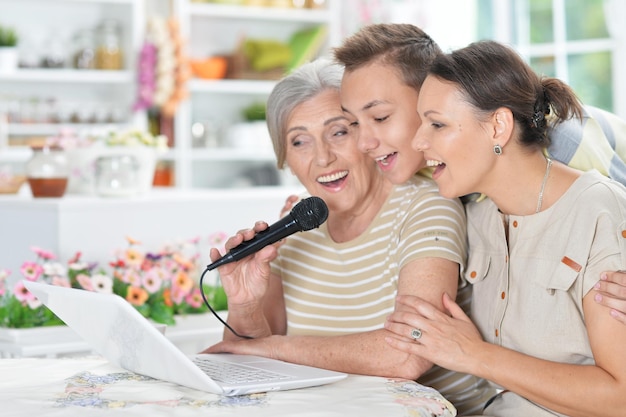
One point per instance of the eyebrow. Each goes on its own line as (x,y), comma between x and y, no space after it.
(367,106)
(427,112)
(326,123)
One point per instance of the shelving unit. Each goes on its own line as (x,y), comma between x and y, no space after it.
(216,29)
(104,97)
(209,29)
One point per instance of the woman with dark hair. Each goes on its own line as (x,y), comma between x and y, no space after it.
(537,244)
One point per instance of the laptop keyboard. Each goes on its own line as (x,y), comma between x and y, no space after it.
(232,373)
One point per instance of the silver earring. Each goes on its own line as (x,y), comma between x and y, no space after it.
(497,149)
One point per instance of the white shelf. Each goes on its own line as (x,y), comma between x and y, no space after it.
(278,14)
(231,86)
(232,154)
(15,154)
(47,129)
(69,76)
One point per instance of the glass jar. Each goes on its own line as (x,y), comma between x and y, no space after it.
(47,172)
(117,176)
(109,49)
(84,50)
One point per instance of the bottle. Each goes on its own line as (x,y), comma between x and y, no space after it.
(47,172)
(109,49)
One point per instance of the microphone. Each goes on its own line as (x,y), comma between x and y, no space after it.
(308,214)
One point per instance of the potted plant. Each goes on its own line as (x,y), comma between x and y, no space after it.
(8,49)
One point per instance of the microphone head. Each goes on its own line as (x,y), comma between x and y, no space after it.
(310,213)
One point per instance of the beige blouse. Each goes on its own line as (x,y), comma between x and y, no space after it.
(528,292)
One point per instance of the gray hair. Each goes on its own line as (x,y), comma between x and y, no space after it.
(303,84)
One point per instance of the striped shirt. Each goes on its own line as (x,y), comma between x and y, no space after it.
(341,288)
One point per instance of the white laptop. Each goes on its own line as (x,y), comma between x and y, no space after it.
(125,338)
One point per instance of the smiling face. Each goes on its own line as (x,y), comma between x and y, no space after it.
(321,151)
(453,140)
(385,110)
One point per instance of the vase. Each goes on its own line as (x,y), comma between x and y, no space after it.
(117,176)
(82,162)
(47,172)
(8,59)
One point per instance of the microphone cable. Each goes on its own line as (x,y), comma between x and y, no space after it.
(206,302)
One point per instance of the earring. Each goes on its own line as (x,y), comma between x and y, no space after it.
(497,149)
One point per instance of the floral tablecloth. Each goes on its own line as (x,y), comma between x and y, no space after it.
(90,386)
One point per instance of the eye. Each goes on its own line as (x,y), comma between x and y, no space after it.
(354,124)
(341,132)
(437,125)
(381,119)
(297,141)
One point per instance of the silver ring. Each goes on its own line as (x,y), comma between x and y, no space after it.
(416,334)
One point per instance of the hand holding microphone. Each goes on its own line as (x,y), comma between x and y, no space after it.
(308,214)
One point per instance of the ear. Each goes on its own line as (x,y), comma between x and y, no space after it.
(503,123)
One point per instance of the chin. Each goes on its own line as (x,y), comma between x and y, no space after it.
(398,176)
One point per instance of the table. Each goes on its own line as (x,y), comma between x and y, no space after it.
(90,386)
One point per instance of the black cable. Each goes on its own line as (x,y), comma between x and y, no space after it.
(206,302)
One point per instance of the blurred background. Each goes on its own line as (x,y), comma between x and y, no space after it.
(197,72)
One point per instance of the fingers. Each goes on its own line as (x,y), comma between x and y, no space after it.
(611,293)
(214,254)
(613,283)
(289,203)
(455,310)
(418,305)
(244,235)
(402,324)
(618,315)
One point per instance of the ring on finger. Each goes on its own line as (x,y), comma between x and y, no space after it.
(416,334)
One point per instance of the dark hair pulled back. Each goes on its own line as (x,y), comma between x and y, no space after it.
(492,75)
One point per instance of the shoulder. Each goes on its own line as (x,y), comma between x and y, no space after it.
(600,190)
(423,191)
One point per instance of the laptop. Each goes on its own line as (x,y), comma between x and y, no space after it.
(117,331)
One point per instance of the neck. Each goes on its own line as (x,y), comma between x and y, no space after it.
(344,226)
(520,184)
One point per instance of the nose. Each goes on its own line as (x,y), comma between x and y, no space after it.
(323,154)
(366,141)
(419,141)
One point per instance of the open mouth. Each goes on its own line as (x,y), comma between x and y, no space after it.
(438,165)
(386,160)
(333,180)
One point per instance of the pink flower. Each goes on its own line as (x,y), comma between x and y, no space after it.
(132,277)
(153,280)
(42,253)
(4,274)
(218,240)
(85,282)
(61,281)
(31,270)
(178,295)
(34,303)
(21,293)
(194,299)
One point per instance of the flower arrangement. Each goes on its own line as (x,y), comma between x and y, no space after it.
(135,137)
(158,284)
